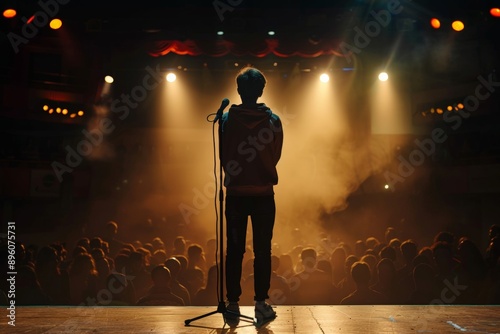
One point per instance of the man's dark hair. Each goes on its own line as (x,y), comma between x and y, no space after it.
(251,82)
(360,272)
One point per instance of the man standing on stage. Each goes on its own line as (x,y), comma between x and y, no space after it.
(251,142)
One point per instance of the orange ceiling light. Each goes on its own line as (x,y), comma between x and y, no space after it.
(458,25)
(435,23)
(9,13)
(55,24)
(495,12)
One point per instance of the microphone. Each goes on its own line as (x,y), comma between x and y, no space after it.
(223,105)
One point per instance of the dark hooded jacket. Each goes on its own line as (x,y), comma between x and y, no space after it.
(251,142)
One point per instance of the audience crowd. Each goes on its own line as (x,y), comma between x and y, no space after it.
(103,270)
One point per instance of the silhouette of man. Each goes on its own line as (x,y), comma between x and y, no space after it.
(251,142)
(360,272)
(160,294)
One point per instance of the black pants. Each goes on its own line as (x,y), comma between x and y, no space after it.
(262,211)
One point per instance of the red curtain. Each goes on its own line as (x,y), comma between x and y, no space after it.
(256,48)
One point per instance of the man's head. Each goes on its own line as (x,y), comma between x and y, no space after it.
(308,257)
(160,275)
(251,83)
(360,272)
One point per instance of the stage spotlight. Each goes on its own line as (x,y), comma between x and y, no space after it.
(458,25)
(171,77)
(55,24)
(383,76)
(449,108)
(45,107)
(495,12)
(220,33)
(9,13)
(271,33)
(72,115)
(435,23)
(109,79)
(80,113)
(65,111)
(58,110)
(386,186)
(324,77)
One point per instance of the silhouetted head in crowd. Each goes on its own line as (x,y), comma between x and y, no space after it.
(158,244)
(136,262)
(349,261)
(47,260)
(359,248)
(371,260)
(95,243)
(82,266)
(360,273)
(183,261)
(179,246)
(390,233)
(386,270)
(174,265)
(149,247)
(159,257)
(121,262)
(494,231)
(78,250)
(97,253)
(372,243)
(395,243)
(212,277)
(427,251)
(421,258)
(443,257)
(308,257)
(83,242)
(160,275)
(444,236)
(471,259)
(325,266)
(59,247)
(110,230)
(409,251)
(389,253)
(195,255)
(338,257)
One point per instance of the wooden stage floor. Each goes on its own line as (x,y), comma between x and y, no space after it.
(291,319)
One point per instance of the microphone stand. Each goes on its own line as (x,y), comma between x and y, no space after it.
(221,307)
